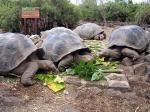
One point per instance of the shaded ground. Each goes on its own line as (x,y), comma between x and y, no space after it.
(76,97)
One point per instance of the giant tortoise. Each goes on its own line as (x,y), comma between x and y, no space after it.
(90,31)
(19,55)
(128,41)
(63,47)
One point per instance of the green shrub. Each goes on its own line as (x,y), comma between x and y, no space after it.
(116,11)
(143,15)
(9,15)
(61,12)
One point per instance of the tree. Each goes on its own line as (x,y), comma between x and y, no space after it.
(89,9)
(130,2)
(102,10)
(89,2)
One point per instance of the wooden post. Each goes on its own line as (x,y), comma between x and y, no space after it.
(25,27)
(33,14)
(35,25)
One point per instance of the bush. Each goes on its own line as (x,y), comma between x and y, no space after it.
(67,14)
(116,11)
(143,15)
(61,12)
(90,11)
(9,16)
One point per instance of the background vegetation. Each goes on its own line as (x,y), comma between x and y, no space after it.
(63,13)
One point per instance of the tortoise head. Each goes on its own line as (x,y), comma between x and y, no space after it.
(100,36)
(83,55)
(110,53)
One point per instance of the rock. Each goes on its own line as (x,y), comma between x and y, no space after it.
(140,69)
(117,81)
(129,70)
(72,80)
(127,61)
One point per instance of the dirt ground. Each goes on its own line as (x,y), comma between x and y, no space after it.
(76,98)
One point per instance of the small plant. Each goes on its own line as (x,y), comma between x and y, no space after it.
(93,70)
(85,69)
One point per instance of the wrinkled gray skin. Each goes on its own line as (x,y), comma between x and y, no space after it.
(19,56)
(128,41)
(89,31)
(65,47)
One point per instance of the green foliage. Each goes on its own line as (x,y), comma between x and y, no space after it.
(54,82)
(85,69)
(93,70)
(98,75)
(60,12)
(131,10)
(106,65)
(9,15)
(143,15)
(116,11)
(63,13)
(90,11)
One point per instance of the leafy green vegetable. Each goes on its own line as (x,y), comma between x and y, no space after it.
(93,70)
(58,79)
(85,69)
(70,71)
(56,86)
(98,75)
(54,82)
(106,64)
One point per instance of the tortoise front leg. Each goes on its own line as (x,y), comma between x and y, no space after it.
(27,77)
(112,54)
(130,53)
(65,62)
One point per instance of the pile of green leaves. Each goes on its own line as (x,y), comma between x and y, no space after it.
(92,70)
(95,45)
(54,82)
(106,65)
